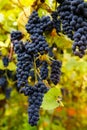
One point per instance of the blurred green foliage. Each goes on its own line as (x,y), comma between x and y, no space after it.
(13,112)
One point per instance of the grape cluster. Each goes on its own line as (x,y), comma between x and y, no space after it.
(31,65)
(56,21)
(73,15)
(16,35)
(38,45)
(25,63)
(64,11)
(37,25)
(35,101)
(55,71)
(44,70)
(36,94)
(4,85)
(79,7)
(26,53)
(79,23)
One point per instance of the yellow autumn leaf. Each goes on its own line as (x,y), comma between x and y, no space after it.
(6,43)
(1,65)
(23,18)
(4,51)
(11,66)
(2,44)
(23,2)
(27,2)
(2,96)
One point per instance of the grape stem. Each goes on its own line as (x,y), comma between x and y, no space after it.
(11,52)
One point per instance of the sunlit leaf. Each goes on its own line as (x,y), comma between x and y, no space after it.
(4,51)
(23,18)
(2,96)
(1,65)
(6,44)
(71,64)
(11,66)
(50,99)
(27,2)
(23,2)
(2,44)
(1,17)
(3,2)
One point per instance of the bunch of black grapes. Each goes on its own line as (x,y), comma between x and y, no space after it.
(64,12)
(36,94)
(5,87)
(55,71)
(31,64)
(73,16)
(6,77)
(56,21)
(79,23)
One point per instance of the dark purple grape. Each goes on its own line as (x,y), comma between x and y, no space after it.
(55,72)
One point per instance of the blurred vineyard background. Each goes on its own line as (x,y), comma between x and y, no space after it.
(73,83)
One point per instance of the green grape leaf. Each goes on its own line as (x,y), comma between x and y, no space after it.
(2,96)
(11,66)
(63,41)
(82,66)
(58,127)
(4,51)
(1,65)
(71,64)
(50,99)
